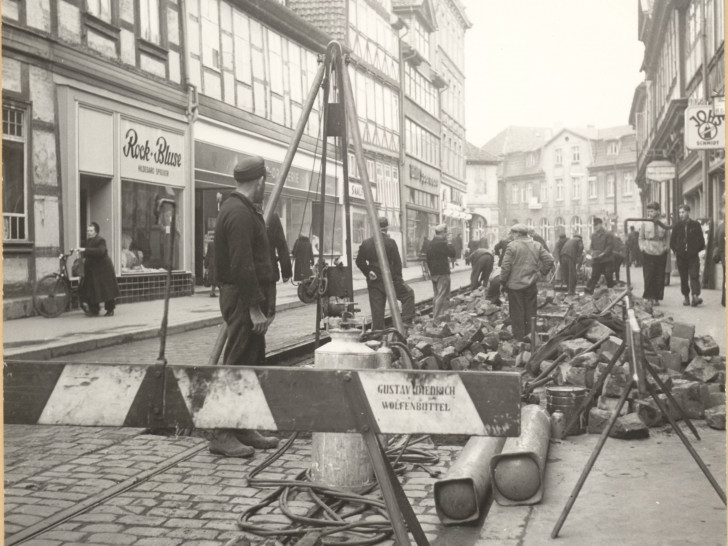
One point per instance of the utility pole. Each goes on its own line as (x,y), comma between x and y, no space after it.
(707,202)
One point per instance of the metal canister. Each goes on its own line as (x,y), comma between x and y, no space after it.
(567,399)
(342,460)
(558,424)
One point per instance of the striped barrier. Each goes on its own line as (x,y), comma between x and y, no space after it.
(264,398)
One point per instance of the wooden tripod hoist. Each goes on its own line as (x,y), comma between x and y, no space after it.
(340,121)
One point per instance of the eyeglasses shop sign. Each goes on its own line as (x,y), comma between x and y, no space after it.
(151,154)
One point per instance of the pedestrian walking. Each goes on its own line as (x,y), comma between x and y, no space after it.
(209,263)
(280,260)
(368,262)
(302,258)
(620,254)
(245,273)
(653,245)
(572,254)
(99,279)
(524,261)
(633,245)
(458,244)
(686,241)
(440,252)
(481,263)
(602,253)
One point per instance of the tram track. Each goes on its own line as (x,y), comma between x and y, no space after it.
(296,354)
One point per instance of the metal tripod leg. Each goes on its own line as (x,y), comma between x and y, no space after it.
(591,461)
(687,443)
(671,398)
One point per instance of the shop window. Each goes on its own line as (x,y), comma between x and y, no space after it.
(15,214)
(146,233)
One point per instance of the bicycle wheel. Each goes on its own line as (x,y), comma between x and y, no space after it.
(51,295)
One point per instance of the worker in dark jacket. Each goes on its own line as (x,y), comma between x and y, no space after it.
(602,252)
(438,259)
(481,262)
(280,260)
(536,237)
(368,262)
(686,241)
(572,253)
(524,261)
(245,273)
(500,248)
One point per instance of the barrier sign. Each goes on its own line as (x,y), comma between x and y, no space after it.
(264,398)
(659,171)
(704,128)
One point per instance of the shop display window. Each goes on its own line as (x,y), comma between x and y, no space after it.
(145,232)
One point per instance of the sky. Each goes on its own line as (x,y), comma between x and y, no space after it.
(549,63)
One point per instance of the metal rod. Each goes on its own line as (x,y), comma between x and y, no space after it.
(369,201)
(532,321)
(615,302)
(592,460)
(293,146)
(161,359)
(687,443)
(218,346)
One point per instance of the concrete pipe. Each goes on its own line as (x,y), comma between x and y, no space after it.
(461,495)
(517,473)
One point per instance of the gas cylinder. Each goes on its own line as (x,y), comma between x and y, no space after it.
(342,460)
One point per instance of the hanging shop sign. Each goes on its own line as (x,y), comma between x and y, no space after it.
(719,106)
(357,191)
(704,128)
(659,171)
(151,154)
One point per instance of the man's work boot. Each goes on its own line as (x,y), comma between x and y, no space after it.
(253,438)
(697,300)
(224,443)
(686,301)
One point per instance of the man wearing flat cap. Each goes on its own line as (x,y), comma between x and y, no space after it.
(524,260)
(245,273)
(602,249)
(439,254)
(368,262)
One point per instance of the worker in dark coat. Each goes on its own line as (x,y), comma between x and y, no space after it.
(602,252)
(245,272)
(280,260)
(481,263)
(302,258)
(536,237)
(524,261)
(500,248)
(368,262)
(438,257)
(686,241)
(572,254)
(99,282)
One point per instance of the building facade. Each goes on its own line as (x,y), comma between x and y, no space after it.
(684,66)
(450,65)
(481,174)
(95,126)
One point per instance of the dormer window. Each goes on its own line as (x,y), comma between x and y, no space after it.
(613,147)
(530,160)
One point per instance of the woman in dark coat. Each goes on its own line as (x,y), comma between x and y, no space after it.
(99,283)
(303,258)
(210,265)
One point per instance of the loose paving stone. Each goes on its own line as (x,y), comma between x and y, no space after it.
(715,417)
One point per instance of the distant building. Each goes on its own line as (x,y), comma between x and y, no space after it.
(481,173)
(559,184)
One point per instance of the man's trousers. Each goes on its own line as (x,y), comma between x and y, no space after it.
(441,295)
(522,305)
(689,268)
(653,273)
(378,300)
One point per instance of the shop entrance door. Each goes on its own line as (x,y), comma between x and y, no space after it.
(96,206)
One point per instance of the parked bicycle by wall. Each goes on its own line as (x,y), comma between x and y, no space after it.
(53,293)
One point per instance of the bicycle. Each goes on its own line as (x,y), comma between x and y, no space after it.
(53,293)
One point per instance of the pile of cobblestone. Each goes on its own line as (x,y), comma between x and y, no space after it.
(584,333)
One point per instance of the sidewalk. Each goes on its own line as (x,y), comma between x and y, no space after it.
(39,338)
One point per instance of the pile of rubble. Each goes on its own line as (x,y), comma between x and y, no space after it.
(583,334)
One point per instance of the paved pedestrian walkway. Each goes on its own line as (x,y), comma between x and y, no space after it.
(74,332)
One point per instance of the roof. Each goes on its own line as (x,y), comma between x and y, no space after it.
(517,139)
(327,15)
(424,7)
(612,133)
(473,154)
(626,152)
